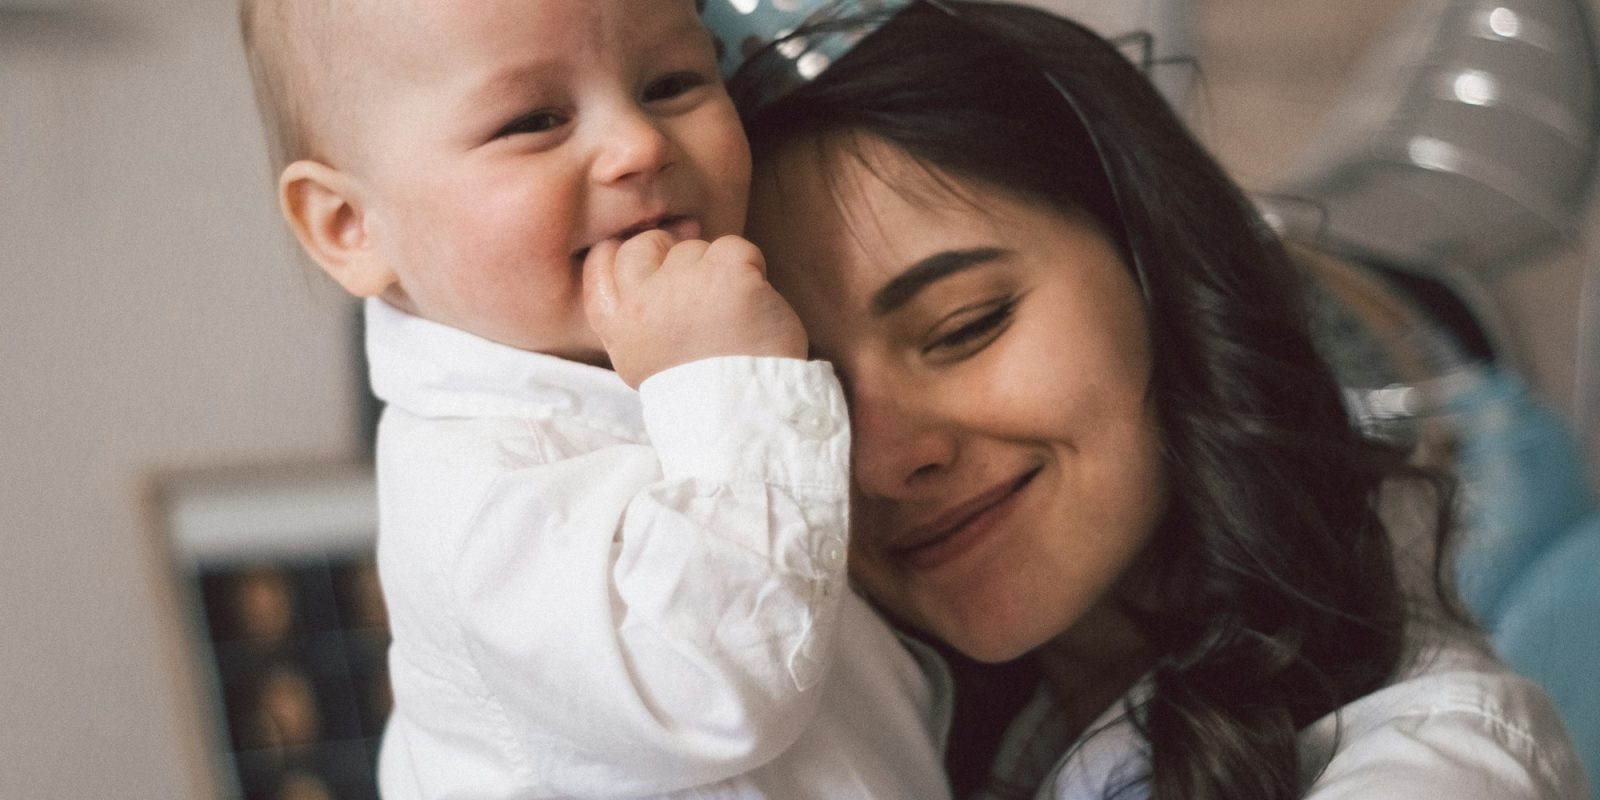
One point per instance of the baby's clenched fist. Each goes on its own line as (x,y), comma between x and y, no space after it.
(656,304)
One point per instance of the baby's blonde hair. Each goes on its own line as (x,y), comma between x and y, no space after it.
(294,49)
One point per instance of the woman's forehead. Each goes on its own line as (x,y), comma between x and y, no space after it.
(848,169)
(855,193)
(845,215)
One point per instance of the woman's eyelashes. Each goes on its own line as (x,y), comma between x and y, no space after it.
(672,86)
(974,329)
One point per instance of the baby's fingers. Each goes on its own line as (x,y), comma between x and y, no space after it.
(737,252)
(600,283)
(639,257)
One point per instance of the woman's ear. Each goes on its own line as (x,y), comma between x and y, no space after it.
(326,213)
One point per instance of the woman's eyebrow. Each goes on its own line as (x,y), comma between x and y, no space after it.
(906,285)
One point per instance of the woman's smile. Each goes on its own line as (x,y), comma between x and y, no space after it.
(960,530)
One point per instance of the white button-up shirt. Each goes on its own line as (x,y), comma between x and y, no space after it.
(596,592)
(1456,724)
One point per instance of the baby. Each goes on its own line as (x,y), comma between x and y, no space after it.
(593,591)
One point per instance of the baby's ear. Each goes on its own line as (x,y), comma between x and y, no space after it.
(326,213)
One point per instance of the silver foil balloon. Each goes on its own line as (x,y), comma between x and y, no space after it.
(1466,144)
(1468,138)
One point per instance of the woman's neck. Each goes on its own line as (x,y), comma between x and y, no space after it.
(1093,663)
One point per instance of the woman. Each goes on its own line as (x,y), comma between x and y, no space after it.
(1093,441)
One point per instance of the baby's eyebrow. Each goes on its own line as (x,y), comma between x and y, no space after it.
(918,276)
(511,83)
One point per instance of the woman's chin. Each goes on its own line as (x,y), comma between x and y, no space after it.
(994,655)
(992,641)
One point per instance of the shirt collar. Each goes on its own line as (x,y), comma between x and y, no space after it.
(435,370)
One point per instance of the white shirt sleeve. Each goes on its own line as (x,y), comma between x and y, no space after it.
(642,619)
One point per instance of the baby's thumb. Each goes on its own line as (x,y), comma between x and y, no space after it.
(600,283)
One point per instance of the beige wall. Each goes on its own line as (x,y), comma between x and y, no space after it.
(153,318)
(150,318)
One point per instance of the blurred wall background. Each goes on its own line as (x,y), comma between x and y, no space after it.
(153,317)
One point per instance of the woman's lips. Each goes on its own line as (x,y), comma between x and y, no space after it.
(959,531)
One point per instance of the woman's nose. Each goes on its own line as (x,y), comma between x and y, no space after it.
(899,450)
(631,144)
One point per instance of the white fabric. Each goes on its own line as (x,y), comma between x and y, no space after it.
(1456,724)
(595,592)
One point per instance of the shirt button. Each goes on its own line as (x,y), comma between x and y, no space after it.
(833,554)
(814,422)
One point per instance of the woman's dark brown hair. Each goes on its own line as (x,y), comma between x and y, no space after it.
(1279,599)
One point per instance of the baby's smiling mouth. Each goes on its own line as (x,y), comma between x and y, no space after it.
(680,226)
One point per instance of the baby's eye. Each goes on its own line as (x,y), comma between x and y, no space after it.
(973,335)
(674,85)
(537,122)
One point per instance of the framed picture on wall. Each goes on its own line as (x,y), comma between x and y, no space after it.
(281,619)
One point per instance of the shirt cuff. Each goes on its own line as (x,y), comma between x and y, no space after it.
(779,421)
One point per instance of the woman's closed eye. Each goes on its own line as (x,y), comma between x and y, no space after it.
(673,86)
(974,329)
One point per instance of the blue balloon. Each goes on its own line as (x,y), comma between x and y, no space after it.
(1549,630)
(1524,483)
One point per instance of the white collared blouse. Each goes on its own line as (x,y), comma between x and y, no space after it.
(1455,724)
